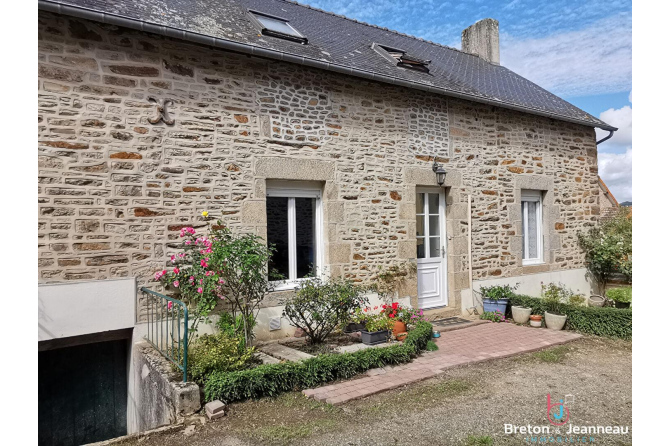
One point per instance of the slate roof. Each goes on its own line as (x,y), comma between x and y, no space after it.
(335,43)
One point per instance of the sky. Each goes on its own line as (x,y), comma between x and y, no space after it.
(580,50)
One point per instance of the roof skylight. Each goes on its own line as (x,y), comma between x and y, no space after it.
(401,58)
(276,27)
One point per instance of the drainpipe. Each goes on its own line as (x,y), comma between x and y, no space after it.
(606,138)
(472,291)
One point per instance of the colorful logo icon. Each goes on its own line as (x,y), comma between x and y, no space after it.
(558,414)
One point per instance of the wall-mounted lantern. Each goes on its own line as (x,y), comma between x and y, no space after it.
(440,173)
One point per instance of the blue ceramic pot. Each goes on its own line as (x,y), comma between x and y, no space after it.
(493,305)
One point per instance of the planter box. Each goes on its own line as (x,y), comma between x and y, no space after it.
(493,305)
(352,327)
(375,337)
(618,304)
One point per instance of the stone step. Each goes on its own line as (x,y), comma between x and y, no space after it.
(283,352)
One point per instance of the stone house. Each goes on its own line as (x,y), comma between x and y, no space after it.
(322,134)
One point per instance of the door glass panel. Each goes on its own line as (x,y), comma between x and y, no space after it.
(419,203)
(277,218)
(420,228)
(435,246)
(434,228)
(305,235)
(433,203)
(420,248)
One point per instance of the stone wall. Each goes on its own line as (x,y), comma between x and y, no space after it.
(114,189)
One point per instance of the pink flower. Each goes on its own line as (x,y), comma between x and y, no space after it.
(191,279)
(203,263)
(176,270)
(220,280)
(172,259)
(188,242)
(176,284)
(200,290)
(169,304)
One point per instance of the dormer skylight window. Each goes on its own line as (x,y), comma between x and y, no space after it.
(401,58)
(276,27)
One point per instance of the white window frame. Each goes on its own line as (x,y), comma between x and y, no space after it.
(293,191)
(534,196)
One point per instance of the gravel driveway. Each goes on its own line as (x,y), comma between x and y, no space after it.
(464,406)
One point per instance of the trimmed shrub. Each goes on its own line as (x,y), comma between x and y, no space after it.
(273,379)
(217,353)
(599,321)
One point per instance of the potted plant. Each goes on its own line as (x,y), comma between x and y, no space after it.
(622,296)
(596,300)
(377,329)
(536,320)
(555,296)
(357,321)
(496,297)
(520,314)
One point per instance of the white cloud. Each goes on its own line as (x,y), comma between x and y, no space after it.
(621,118)
(593,60)
(616,170)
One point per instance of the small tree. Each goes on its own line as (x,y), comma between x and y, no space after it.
(241,261)
(320,305)
(609,248)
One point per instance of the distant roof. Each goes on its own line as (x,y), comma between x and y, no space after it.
(335,43)
(606,191)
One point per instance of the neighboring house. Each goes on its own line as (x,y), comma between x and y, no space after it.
(609,206)
(315,131)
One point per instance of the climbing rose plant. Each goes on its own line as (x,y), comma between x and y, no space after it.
(216,267)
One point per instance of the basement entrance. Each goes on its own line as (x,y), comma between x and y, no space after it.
(83,393)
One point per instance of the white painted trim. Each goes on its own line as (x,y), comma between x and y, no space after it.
(293,190)
(533,197)
(442,212)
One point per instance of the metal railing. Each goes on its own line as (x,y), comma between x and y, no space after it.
(166,336)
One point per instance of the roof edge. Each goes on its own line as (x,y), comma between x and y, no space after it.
(231,45)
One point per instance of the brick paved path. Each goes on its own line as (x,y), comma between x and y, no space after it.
(468,345)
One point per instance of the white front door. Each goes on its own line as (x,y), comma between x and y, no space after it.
(431,248)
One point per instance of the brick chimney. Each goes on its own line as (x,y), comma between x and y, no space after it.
(481,39)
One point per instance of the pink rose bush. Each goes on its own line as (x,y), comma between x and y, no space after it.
(218,266)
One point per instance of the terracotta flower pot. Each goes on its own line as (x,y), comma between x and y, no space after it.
(535,320)
(401,336)
(399,327)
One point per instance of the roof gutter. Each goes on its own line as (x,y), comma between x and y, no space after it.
(606,138)
(141,25)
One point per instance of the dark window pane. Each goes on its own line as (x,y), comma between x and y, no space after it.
(305,235)
(420,248)
(419,203)
(433,203)
(420,226)
(277,25)
(277,218)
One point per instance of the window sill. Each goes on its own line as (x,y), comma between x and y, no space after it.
(532,262)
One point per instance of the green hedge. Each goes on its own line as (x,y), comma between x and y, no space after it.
(599,321)
(272,379)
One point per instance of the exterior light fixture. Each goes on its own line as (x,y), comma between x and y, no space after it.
(440,173)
